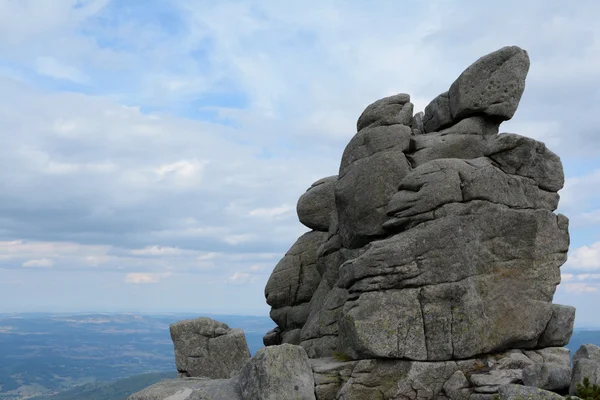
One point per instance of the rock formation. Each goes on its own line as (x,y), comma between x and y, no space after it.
(432,259)
(208,348)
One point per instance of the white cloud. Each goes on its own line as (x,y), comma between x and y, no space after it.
(40,263)
(144,277)
(271,212)
(183,170)
(51,67)
(579,288)
(585,257)
(156,251)
(566,277)
(241,278)
(239,239)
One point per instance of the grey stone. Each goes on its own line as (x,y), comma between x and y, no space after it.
(548,376)
(190,389)
(374,140)
(208,348)
(395,379)
(372,166)
(417,124)
(492,85)
(514,360)
(330,375)
(518,392)
(560,328)
(390,110)
(294,281)
(486,389)
(368,328)
(278,373)
(555,355)
(496,377)
(584,368)
(527,157)
(440,182)
(316,207)
(587,351)
(457,386)
(273,337)
(437,114)
(482,294)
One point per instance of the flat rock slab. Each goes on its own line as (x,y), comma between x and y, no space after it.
(190,389)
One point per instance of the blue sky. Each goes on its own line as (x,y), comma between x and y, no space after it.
(153,151)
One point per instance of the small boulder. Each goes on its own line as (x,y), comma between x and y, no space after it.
(208,348)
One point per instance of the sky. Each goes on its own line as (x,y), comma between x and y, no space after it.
(152,152)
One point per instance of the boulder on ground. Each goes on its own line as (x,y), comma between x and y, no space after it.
(208,348)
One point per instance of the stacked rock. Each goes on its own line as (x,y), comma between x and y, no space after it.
(428,273)
(437,240)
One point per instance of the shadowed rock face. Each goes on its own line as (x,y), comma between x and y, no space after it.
(437,240)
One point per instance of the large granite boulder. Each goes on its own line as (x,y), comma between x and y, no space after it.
(208,348)
(444,243)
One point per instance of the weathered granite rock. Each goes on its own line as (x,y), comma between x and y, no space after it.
(560,328)
(191,389)
(518,392)
(278,373)
(292,285)
(208,348)
(417,124)
(492,85)
(316,207)
(443,244)
(437,114)
(390,110)
(587,351)
(396,379)
(477,293)
(330,375)
(586,363)
(548,376)
(372,167)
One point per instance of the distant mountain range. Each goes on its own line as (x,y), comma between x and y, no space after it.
(104,356)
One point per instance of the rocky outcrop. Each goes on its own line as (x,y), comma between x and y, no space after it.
(432,262)
(208,348)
